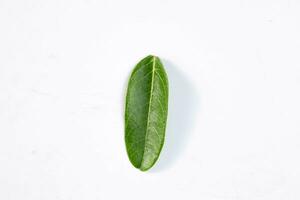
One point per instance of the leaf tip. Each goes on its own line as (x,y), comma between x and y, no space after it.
(152,56)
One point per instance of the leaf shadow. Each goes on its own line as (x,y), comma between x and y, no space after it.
(183,107)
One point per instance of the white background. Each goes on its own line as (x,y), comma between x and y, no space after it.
(234,73)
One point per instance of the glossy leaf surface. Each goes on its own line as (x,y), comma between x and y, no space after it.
(146,111)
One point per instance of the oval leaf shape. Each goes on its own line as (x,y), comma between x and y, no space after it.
(146,112)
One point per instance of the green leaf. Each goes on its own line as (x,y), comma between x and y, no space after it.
(146,111)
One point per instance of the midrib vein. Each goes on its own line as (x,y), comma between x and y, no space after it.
(150,100)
